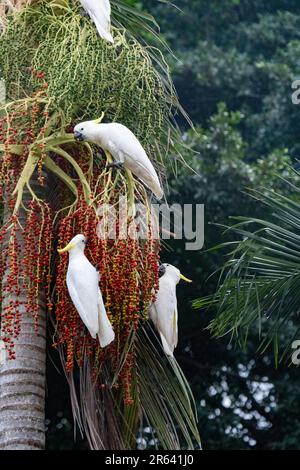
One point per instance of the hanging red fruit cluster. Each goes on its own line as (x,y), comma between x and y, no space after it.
(24,268)
(26,236)
(129,281)
(128,265)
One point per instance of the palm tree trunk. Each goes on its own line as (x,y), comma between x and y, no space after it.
(22,384)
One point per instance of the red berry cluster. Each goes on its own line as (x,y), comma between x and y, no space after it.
(129,281)
(27,274)
(37,247)
(23,125)
(25,238)
(10,293)
(128,266)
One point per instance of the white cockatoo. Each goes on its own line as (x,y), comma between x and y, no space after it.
(99,11)
(163,312)
(124,147)
(3,353)
(83,286)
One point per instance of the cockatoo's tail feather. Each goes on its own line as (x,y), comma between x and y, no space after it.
(103,33)
(106,334)
(99,12)
(158,192)
(151,181)
(105,338)
(166,347)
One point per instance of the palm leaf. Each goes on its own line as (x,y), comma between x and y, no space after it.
(259,285)
(162,399)
(165,396)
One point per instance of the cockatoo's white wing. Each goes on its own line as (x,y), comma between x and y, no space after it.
(106,333)
(82,282)
(163,313)
(99,11)
(124,146)
(83,286)
(106,9)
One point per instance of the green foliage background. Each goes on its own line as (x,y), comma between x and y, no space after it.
(237,61)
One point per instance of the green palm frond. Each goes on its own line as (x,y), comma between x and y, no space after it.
(259,286)
(144,27)
(161,399)
(165,397)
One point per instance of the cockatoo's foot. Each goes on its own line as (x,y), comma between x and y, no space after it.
(118,165)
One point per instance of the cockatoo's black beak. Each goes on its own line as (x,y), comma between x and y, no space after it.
(79,136)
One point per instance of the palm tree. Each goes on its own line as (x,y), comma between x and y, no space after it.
(259,284)
(62,75)
(23,380)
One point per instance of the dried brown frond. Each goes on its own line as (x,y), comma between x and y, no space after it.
(9,6)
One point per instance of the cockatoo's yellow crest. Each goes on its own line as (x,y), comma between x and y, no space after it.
(97,121)
(185,278)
